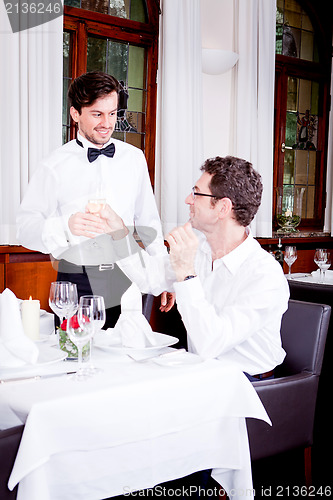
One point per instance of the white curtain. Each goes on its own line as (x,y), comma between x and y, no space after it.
(179,111)
(31,109)
(254,96)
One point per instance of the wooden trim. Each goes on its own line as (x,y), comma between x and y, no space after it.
(9,249)
(2,276)
(151,110)
(126,25)
(299,241)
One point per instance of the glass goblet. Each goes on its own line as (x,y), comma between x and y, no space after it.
(97,318)
(326,265)
(63,299)
(95,205)
(323,260)
(80,332)
(320,258)
(290,256)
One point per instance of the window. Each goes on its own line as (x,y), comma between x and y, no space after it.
(301,108)
(119,37)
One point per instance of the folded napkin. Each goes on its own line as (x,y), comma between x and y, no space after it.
(132,326)
(16,349)
(328,275)
(46,323)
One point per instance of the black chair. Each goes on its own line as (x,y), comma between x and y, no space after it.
(323,432)
(9,444)
(290,399)
(147,305)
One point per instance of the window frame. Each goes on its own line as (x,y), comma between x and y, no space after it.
(320,72)
(81,23)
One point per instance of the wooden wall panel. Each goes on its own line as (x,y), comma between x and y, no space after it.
(31,278)
(2,277)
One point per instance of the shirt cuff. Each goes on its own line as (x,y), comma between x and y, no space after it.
(189,291)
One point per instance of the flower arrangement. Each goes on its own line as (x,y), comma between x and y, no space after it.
(67,345)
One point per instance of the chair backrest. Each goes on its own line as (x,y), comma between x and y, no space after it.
(147,304)
(303,331)
(9,444)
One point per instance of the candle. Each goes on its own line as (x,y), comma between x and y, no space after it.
(30,318)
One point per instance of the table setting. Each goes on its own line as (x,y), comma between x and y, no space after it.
(322,258)
(149,413)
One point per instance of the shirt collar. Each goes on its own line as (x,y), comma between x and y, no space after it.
(234,259)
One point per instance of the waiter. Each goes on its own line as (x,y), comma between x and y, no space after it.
(59,209)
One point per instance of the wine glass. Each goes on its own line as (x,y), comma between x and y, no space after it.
(97,318)
(63,299)
(290,255)
(326,265)
(95,205)
(322,259)
(80,333)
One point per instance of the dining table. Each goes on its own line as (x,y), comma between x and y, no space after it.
(138,422)
(313,278)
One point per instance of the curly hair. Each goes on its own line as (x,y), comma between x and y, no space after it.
(86,88)
(237,180)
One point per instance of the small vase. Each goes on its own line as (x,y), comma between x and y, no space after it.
(67,346)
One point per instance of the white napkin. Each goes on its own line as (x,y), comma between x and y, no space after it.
(46,323)
(16,349)
(328,275)
(132,326)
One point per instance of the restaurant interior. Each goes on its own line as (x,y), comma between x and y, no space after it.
(201,78)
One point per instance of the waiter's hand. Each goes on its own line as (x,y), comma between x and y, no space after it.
(183,248)
(167,301)
(86,224)
(113,223)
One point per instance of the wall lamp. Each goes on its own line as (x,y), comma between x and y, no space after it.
(218,61)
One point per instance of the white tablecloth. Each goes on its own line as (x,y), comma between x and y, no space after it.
(130,427)
(314,277)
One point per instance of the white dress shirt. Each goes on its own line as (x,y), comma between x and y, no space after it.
(62,186)
(232,310)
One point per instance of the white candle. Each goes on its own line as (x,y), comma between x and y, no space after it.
(30,318)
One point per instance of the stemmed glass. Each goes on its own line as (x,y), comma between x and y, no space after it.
(80,333)
(97,318)
(326,265)
(290,255)
(63,299)
(323,260)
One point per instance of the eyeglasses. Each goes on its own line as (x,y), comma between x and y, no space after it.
(194,194)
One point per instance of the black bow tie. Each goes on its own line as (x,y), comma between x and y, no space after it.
(93,153)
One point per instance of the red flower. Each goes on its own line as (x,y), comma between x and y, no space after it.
(73,321)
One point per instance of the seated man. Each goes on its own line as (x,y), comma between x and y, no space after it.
(230,292)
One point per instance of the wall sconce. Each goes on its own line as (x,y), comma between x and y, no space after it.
(218,61)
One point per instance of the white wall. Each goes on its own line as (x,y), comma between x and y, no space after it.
(217,23)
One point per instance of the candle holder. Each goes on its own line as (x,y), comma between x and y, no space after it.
(289,208)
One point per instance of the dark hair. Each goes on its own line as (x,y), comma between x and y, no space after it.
(86,88)
(237,180)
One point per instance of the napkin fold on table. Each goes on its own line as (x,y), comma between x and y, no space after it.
(328,275)
(16,349)
(132,326)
